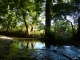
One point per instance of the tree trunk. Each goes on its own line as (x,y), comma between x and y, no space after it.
(48,17)
(77,36)
(73,32)
(30,29)
(24,15)
(73,29)
(26,25)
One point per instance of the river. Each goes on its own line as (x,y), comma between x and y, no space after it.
(32,49)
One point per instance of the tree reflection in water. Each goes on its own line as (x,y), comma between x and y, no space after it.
(19,48)
(34,49)
(30,44)
(47,45)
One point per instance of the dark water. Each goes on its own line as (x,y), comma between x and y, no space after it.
(37,50)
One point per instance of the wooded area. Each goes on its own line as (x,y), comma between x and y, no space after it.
(52,20)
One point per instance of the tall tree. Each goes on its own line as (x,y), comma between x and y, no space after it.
(48,17)
(77,36)
(23,6)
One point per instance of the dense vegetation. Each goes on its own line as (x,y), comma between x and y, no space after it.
(26,18)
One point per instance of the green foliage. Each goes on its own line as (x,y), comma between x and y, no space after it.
(63,9)
(14,48)
(14,12)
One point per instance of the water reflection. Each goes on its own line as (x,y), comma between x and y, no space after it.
(30,44)
(20,48)
(47,45)
(36,49)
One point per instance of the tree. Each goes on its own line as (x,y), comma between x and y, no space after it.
(48,17)
(77,38)
(8,15)
(29,11)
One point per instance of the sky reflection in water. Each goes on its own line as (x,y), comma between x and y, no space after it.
(31,44)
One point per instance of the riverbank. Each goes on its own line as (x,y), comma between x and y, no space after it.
(43,39)
(4,48)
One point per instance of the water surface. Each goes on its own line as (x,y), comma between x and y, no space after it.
(37,50)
